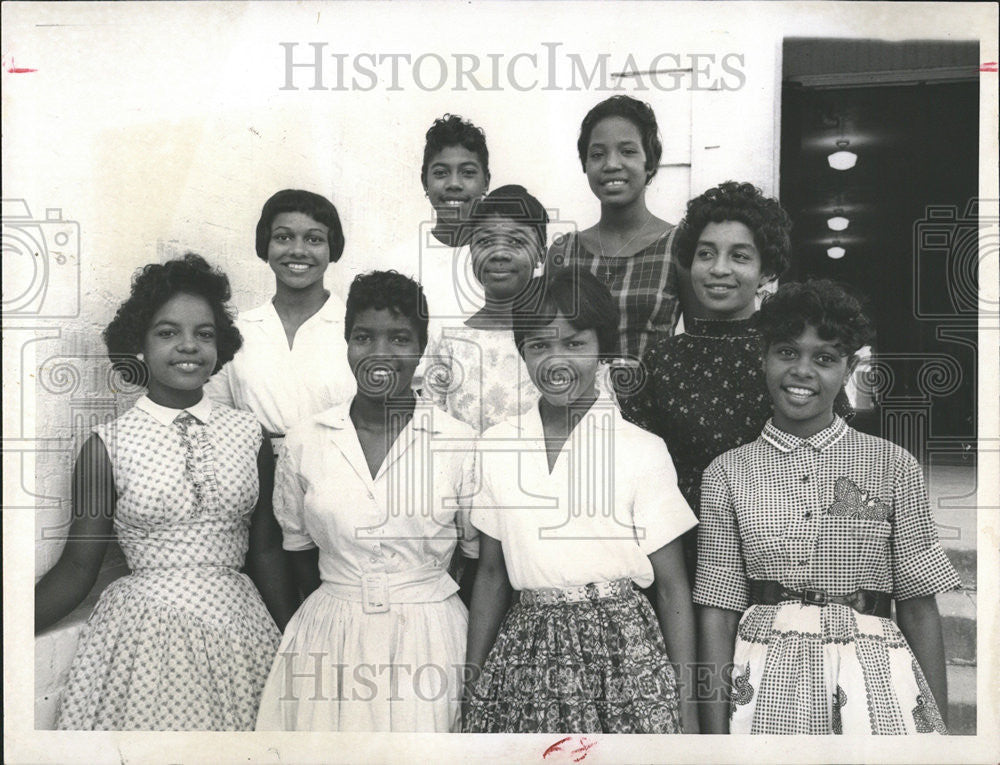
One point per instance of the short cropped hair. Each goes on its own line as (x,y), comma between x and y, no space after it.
(639,114)
(317,207)
(514,203)
(379,290)
(452,130)
(152,287)
(580,297)
(837,315)
(743,202)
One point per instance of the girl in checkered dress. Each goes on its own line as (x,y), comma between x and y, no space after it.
(810,532)
(185,641)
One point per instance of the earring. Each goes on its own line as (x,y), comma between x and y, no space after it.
(140,356)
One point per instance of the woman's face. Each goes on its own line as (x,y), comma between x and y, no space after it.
(383,350)
(504,254)
(616,162)
(726,270)
(179,349)
(298,251)
(804,376)
(562,361)
(455,180)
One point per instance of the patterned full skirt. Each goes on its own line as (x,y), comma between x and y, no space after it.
(819,670)
(595,666)
(172,649)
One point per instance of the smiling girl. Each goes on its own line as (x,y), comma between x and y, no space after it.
(184,642)
(629,248)
(810,532)
(293,360)
(369,490)
(577,509)
(475,372)
(704,390)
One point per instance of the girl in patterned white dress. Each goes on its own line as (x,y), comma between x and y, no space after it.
(810,532)
(185,641)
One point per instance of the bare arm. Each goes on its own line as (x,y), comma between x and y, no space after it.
(676,616)
(65,586)
(491,597)
(305,570)
(717,635)
(267,562)
(920,623)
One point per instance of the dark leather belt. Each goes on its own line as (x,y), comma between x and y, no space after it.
(870,602)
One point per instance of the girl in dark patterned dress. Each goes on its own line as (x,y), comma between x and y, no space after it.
(184,642)
(704,390)
(577,507)
(810,532)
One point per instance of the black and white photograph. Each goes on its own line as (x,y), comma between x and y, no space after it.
(544,381)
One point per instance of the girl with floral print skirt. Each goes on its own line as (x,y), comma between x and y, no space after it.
(576,509)
(811,532)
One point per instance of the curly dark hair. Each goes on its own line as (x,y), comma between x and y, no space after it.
(743,202)
(576,294)
(152,286)
(513,203)
(316,206)
(639,114)
(452,130)
(387,289)
(837,315)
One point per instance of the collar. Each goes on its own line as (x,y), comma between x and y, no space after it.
(602,415)
(786,442)
(339,417)
(332,310)
(166,415)
(720,328)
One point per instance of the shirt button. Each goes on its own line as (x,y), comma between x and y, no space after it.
(373,559)
(808,514)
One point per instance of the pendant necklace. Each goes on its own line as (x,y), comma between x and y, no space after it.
(600,241)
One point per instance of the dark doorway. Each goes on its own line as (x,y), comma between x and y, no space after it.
(909,112)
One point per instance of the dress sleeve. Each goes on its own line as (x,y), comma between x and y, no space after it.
(289,501)
(219,386)
(468,535)
(437,380)
(660,513)
(720,579)
(485,512)
(920,566)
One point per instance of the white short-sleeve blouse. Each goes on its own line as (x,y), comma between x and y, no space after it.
(610,501)
(283,385)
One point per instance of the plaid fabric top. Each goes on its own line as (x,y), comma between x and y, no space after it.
(839,511)
(643,284)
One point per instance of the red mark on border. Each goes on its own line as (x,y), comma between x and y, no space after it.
(989,66)
(11,69)
(578,754)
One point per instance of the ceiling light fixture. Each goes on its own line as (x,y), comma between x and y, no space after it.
(838,222)
(842,159)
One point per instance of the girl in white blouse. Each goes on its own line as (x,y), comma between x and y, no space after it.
(576,509)
(370,490)
(293,362)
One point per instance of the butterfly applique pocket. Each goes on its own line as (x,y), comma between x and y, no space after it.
(852,502)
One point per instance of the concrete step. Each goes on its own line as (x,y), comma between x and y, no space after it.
(964,561)
(961,700)
(958,622)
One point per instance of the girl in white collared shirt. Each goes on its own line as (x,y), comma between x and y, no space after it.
(379,644)
(293,360)
(577,508)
